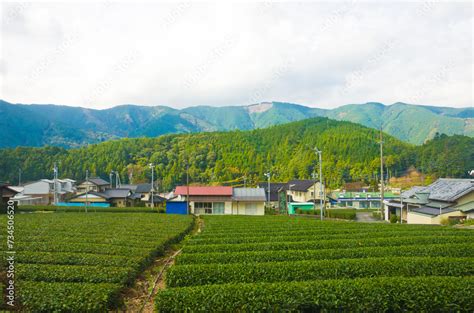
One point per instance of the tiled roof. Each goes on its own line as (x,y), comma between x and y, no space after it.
(98,181)
(300,184)
(412,191)
(432,211)
(204,190)
(466,207)
(117,193)
(449,189)
(274,189)
(249,194)
(143,188)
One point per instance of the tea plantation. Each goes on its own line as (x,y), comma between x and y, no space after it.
(277,263)
(79,262)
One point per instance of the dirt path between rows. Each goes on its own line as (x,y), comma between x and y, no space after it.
(140,298)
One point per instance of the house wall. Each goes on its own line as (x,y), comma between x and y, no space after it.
(437,219)
(415,218)
(243,207)
(470,215)
(227,205)
(465,199)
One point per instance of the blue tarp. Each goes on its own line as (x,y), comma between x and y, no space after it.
(176,207)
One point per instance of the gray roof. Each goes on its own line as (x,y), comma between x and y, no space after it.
(450,189)
(117,193)
(300,184)
(143,188)
(274,189)
(98,181)
(412,191)
(127,186)
(139,188)
(249,194)
(432,211)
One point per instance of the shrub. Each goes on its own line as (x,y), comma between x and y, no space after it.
(204,274)
(379,294)
(394,219)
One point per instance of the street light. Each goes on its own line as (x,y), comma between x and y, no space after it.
(319,152)
(268,176)
(152,166)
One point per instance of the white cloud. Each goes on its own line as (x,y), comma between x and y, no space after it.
(184,54)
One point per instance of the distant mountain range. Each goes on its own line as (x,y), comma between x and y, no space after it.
(65,126)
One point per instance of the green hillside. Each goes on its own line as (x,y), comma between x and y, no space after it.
(411,123)
(64,126)
(350,152)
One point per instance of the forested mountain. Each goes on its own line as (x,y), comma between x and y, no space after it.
(64,126)
(350,152)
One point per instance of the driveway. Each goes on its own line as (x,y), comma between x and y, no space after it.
(366,217)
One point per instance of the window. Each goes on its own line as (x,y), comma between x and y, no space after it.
(203,207)
(251,209)
(209,207)
(218,208)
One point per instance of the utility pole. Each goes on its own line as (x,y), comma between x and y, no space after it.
(19,177)
(111,178)
(55,169)
(314,193)
(382,215)
(319,152)
(152,183)
(245,181)
(87,189)
(401,207)
(268,191)
(187,187)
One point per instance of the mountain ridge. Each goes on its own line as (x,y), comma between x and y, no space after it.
(66,126)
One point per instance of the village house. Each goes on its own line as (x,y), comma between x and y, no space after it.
(445,199)
(6,193)
(276,190)
(41,192)
(95,184)
(219,200)
(304,190)
(248,201)
(207,199)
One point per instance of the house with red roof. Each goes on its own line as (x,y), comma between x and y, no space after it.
(221,200)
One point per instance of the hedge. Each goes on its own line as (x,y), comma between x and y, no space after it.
(380,294)
(68,297)
(324,244)
(204,274)
(322,236)
(346,214)
(52,208)
(436,250)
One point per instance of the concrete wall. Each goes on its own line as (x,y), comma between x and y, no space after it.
(416,218)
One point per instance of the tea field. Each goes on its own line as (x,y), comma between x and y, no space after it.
(276,263)
(79,262)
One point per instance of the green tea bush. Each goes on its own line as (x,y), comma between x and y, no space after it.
(378,294)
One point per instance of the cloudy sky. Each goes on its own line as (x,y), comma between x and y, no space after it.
(321,54)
